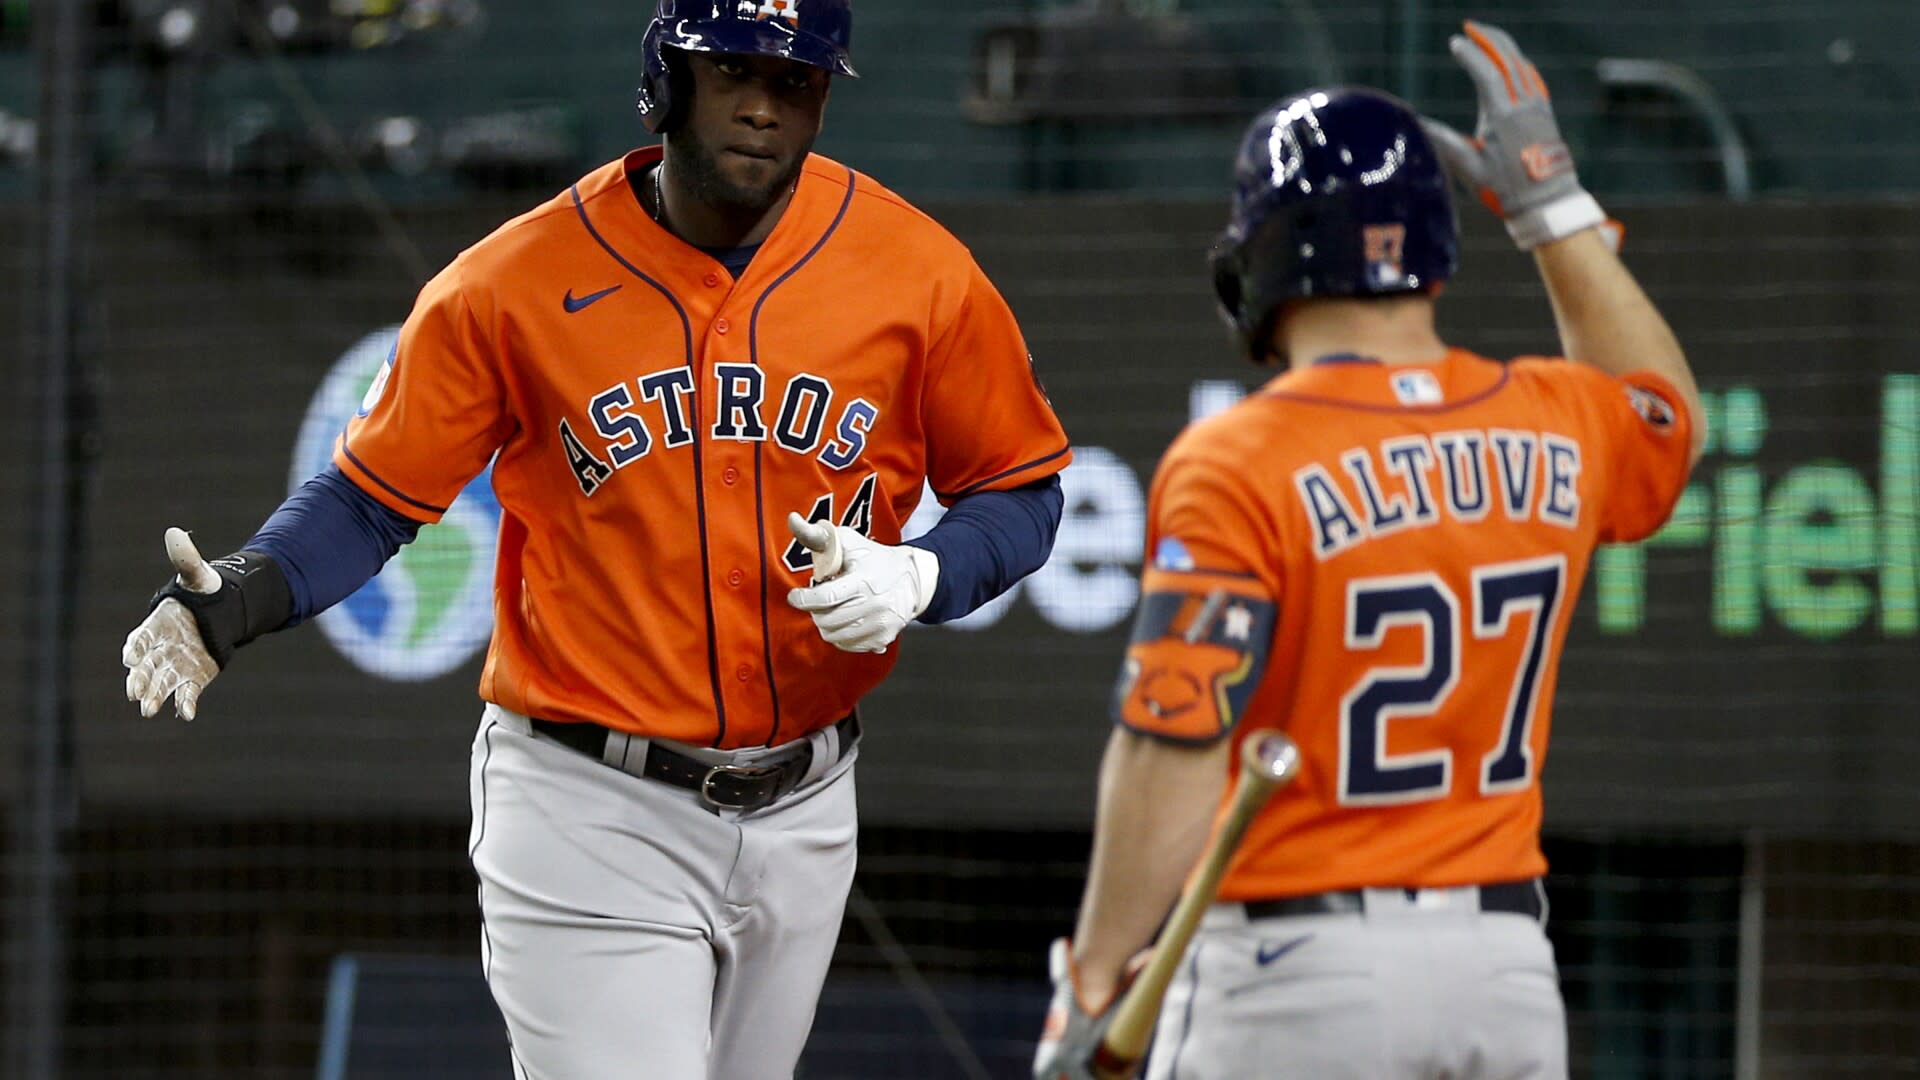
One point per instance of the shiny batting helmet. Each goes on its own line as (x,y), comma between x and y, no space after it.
(1337,192)
(815,32)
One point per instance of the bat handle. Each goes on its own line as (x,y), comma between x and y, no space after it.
(1268,761)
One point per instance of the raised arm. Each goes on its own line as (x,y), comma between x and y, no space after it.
(1606,320)
(1521,168)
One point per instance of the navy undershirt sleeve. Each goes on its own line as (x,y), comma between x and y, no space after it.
(988,541)
(329,538)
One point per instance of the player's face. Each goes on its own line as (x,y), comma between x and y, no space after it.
(752,122)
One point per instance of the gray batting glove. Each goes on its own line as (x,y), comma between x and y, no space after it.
(1072,1036)
(165,656)
(863,593)
(1517,162)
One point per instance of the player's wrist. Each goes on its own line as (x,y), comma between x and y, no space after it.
(1098,978)
(923,566)
(1095,991)
(253,599)
(1556,220)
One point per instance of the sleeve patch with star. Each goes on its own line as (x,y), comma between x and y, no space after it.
(1199,648)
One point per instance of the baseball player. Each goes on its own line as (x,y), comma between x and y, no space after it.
(713,378)
(1379,553)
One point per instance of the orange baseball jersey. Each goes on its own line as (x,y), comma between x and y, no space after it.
(1382,561)
(655,420)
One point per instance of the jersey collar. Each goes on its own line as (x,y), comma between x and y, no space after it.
(608,197)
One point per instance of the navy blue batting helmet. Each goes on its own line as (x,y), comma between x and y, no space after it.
(815,32)
(1337,192)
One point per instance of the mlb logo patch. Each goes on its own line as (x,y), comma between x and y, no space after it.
(1171,554)
(1418,388)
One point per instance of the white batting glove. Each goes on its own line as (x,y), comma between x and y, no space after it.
(863,592)
(1516,161)
(164,655)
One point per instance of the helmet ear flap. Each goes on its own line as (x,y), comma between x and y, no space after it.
(1228,260)
(1226,281)
(667,86)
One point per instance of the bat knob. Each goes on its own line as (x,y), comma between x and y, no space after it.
(1270,756)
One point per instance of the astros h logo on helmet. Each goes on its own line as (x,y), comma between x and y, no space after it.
(788,10)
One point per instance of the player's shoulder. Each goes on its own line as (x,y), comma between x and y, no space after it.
(553,222)
(871,197)
(1568,387)
(1563,376)
(1574,389)
(1226,441)
(1571,376)
(877,211)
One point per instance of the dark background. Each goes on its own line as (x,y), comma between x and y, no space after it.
(1002,726)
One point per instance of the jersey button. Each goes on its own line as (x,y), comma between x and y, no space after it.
(735,577)
(713,281)
(730,475)
(722,326)
(743,672)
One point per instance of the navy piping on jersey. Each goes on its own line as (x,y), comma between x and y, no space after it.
(699,481)
(759,494)
(390,489)
(977,485)
(1344,358)
(1365,406)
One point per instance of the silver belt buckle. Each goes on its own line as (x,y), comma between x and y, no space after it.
(706,783)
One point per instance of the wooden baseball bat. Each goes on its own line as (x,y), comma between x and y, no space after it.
(1268,760)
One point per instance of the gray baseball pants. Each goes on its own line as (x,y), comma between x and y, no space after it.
(1420,987)
(630,931)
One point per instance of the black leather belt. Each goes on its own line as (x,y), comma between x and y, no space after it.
(734,787)
(1511,897)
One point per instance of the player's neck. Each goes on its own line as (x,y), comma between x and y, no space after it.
(684,214)
(1397,330)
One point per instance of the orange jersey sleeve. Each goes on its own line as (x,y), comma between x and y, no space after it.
(989,423)
(1652,437)
(1206,617)
(1638,432)
(435,413)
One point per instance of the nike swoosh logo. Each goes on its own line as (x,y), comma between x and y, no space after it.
(587,301)
(1269,953)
